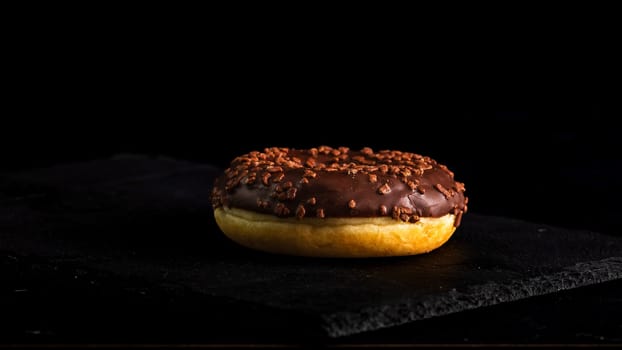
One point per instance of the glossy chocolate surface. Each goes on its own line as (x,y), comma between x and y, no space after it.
(336,182)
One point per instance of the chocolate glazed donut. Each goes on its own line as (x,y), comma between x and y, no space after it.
(334,202)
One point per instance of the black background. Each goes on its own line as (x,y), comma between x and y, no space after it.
(522,105)
(523,114)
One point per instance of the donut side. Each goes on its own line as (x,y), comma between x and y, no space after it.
(356,237)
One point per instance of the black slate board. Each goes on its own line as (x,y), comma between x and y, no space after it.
(149,220)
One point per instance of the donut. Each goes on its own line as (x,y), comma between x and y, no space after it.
(335,202)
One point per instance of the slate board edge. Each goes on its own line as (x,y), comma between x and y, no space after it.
(370,319)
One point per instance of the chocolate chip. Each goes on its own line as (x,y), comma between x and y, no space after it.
(300,211)
(278,177)
(319,213)
(324,149)
(309,173)
(406,210)
(384,189)
(396,212)
(281,210)
(291,193)
(459,187)
(265,177)
(383,210)
(262,204)
(443,190)
(274,169)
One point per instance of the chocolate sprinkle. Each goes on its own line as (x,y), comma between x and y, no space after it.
(320,213)
(384,189)
(300,211)
(271,181)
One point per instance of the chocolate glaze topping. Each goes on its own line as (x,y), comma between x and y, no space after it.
(329,182)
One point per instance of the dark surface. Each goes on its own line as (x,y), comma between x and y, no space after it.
(126,250)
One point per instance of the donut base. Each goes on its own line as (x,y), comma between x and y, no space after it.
(334,237)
